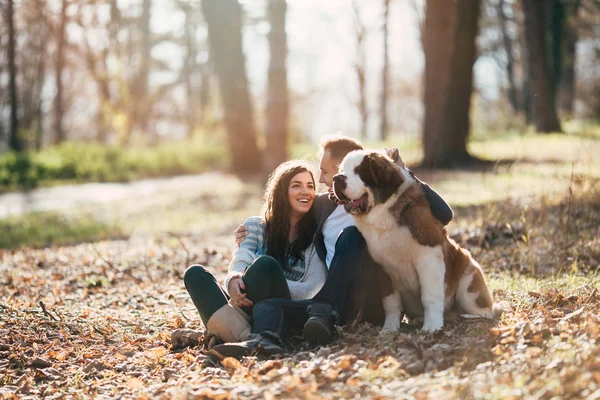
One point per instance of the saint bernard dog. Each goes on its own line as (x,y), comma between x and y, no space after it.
(430,273)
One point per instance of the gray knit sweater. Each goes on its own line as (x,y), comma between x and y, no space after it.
(252,247)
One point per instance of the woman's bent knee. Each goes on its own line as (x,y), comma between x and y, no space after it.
(266,264)
(195,273)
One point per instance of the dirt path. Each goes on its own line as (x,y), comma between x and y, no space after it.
(75,196)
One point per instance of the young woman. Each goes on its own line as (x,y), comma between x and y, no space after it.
(276,260)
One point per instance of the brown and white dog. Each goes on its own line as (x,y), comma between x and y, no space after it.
(429,271)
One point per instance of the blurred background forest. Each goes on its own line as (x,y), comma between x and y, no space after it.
(114,90)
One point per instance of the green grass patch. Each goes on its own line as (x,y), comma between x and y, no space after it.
(88,162)
(44,229)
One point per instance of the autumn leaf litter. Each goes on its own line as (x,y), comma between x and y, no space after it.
(96,320)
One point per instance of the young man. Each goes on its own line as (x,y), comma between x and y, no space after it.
(354,280)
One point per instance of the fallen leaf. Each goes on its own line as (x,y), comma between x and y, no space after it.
(39,362)
(135,384)
(231,364)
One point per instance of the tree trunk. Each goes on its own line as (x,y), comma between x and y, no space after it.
(14,140)
(142,95)
(451,142)
(526,71)
(566,94)
(558,14)
(277,113)
(544,108)
(188,66)
(513,93)
(360,68)
(438,45)
(139,101)
(59,134)
(383,125)
(224,20)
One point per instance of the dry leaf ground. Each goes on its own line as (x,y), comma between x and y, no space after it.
(95,319)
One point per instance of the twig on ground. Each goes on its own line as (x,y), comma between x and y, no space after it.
(46,313)
(181,242)
(184,316)
(102,258)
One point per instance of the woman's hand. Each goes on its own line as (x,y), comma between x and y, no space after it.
(236,285)
(240,234)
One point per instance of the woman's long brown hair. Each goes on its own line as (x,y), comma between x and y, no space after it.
(277,216)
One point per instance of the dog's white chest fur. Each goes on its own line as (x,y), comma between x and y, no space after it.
(394,248)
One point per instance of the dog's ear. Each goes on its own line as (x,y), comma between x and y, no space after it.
(377,170)
(367,171)
(380,174)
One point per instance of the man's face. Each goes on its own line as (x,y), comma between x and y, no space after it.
(329,168)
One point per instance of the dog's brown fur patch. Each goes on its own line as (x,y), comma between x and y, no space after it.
(412,210)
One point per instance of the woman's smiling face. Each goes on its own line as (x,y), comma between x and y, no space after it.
(301,192)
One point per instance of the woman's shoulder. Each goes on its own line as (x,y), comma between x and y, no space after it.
(254,221)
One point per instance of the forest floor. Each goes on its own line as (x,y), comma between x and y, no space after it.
(95,319)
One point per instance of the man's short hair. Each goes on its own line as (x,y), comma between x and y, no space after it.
(338,146)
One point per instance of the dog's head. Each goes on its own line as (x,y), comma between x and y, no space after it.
(366,178)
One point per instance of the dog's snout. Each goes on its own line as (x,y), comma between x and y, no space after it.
(339,178)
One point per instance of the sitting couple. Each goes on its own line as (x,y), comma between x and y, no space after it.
(301,266)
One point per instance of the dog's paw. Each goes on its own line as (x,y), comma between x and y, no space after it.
(389,327)
(432,326)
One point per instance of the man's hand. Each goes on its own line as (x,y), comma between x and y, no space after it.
(236,285)
(240,234)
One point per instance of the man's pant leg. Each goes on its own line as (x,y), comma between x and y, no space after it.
(351,254)
(280,316)
(355,283)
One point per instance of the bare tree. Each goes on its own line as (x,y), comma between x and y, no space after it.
(383,125)
(189,63)
(59,134)
(438,45)
(277,113)
(360,67)
(32,55)
(139,101)
(451,140)
(566,90)
(544,108)
(15,141)
(513,92)
(224,20)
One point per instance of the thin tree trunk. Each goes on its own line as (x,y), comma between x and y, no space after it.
(224,20)
(142,95)
(513,96)
(360,68)
(438,45)
(139,102)
(451,149)
(105,102)
(14,142)
(205,91)
(59,134)
(277,113)
(567,84)
(383,126)
(188,67)
(544,108)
